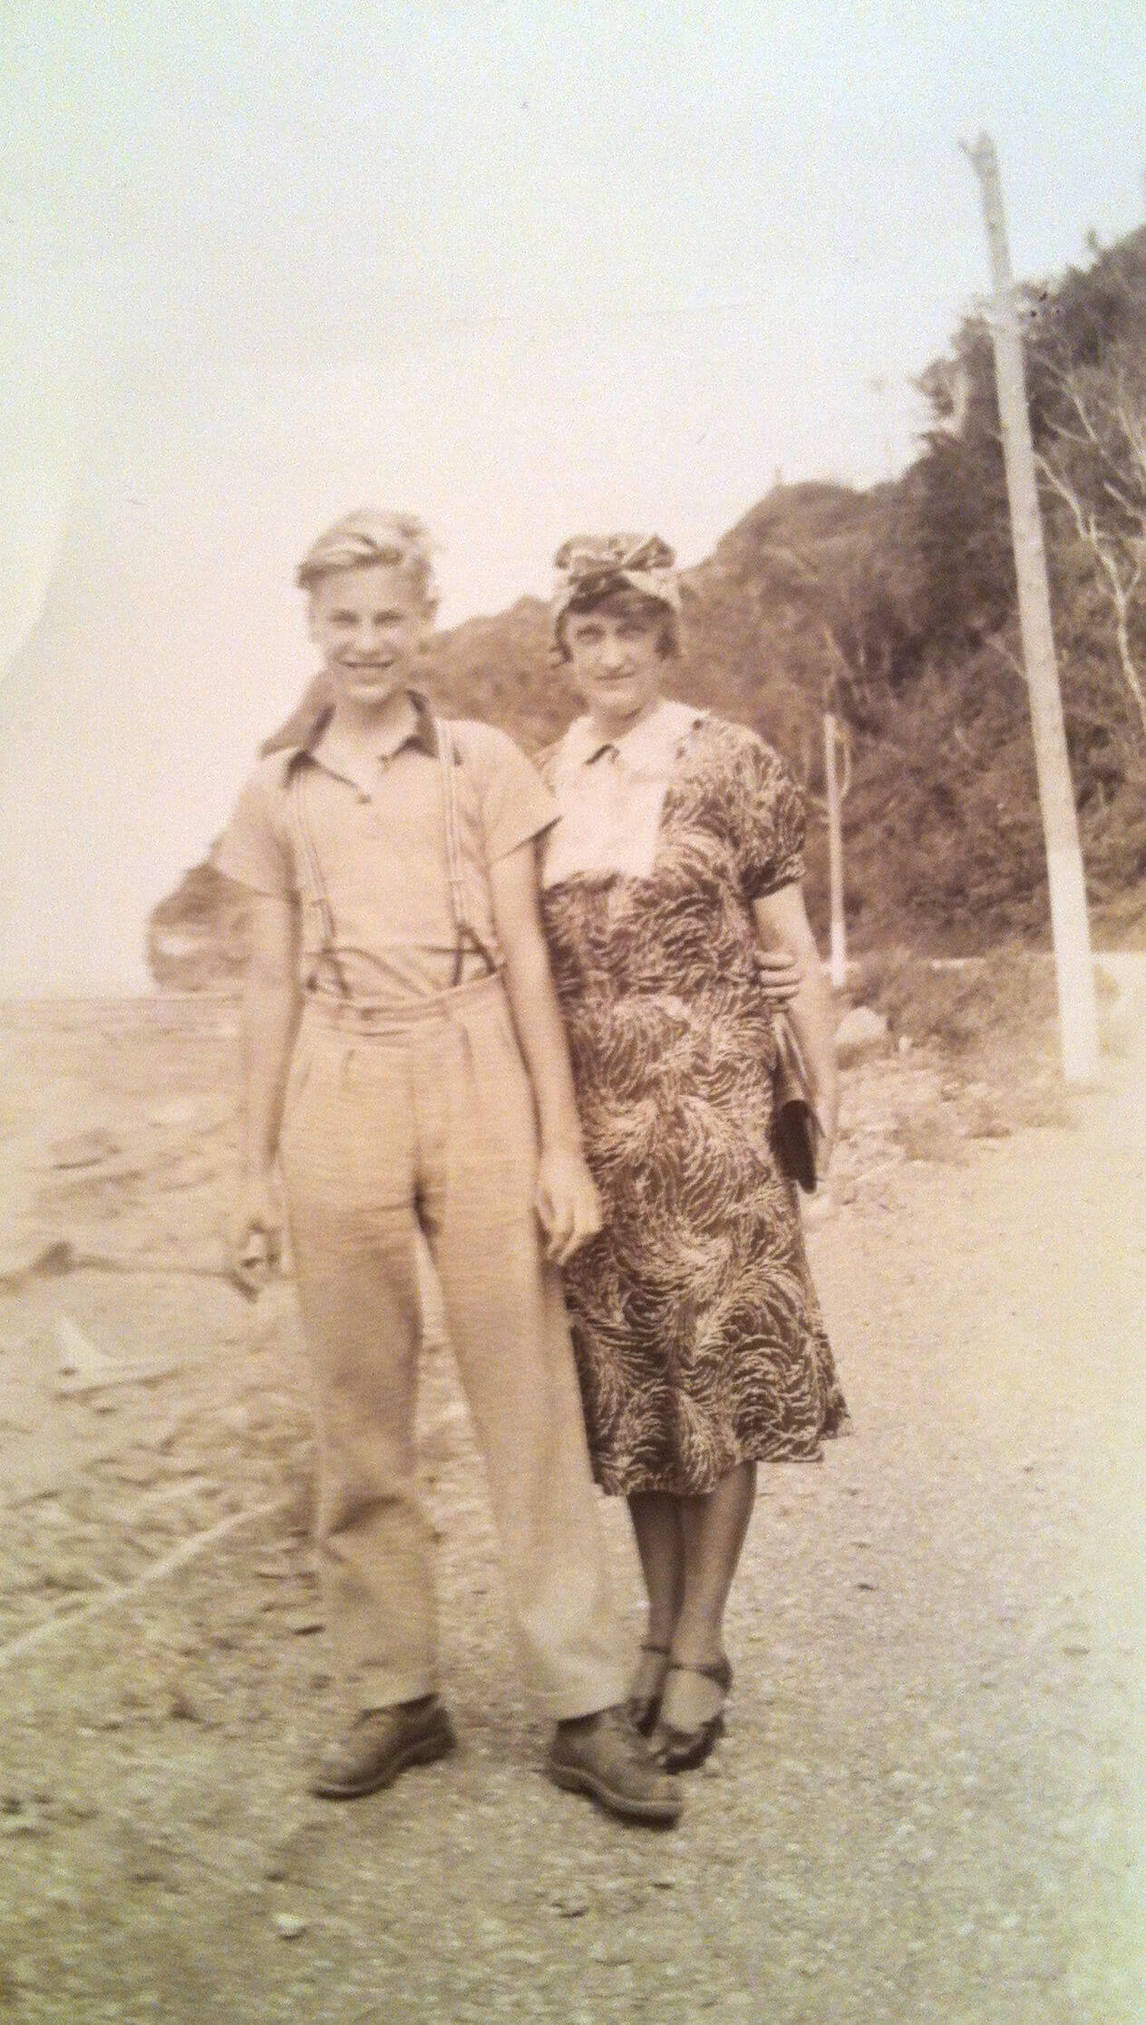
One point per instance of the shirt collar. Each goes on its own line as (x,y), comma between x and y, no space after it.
(417,729)
(651,745)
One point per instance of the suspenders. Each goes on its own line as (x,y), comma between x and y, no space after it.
(308,857)
(449,762)
(465,934)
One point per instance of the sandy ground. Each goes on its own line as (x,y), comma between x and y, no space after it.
(930,1801)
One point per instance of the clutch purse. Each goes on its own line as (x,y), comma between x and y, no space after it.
(795,1125)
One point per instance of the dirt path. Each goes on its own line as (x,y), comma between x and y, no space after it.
(929,1804)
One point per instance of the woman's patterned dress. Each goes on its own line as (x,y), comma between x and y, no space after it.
(698,1334)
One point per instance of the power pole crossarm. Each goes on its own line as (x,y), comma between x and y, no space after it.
(1074,969)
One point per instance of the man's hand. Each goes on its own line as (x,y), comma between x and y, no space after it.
(779,976)
(567,1203)
(254,1238)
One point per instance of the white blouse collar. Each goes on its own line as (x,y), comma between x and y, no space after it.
(651,746)
(611,812)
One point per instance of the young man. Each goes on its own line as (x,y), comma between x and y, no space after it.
(403,1054)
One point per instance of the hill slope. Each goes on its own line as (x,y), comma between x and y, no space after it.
(897,606)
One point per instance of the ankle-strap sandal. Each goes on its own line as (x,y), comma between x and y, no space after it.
(643,1710)
(683,1750)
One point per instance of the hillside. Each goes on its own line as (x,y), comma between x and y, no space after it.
(897,604)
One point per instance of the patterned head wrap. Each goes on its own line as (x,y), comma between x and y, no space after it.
(592,565)
(371,536)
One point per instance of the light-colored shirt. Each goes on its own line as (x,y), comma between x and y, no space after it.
(611,793)
(380,844)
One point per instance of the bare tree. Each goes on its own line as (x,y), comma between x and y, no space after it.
(1095,466)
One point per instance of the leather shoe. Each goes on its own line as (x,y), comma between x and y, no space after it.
(379,1744)
(603,1755)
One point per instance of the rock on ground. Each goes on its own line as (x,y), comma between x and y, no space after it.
(861,1032)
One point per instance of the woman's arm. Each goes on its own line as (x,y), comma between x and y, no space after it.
(566,1198)
(782,924)
(271,1004)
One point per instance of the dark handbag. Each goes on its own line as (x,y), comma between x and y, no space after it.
(795,1125)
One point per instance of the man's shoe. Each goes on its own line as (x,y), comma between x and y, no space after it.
(604,1756)
(379,1744)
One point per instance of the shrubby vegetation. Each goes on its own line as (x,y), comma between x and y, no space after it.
(1086,341)
(897,606)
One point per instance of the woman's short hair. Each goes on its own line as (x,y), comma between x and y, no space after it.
(620,601)
(399,540)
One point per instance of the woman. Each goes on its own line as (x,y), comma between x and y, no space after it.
(700,1346)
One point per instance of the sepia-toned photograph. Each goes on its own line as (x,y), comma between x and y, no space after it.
(573,1014)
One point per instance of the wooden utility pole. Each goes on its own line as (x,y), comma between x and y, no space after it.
(839,954)
(1074,969)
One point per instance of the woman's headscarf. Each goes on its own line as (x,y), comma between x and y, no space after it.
(591,565)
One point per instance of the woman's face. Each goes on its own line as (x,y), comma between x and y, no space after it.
(616,662)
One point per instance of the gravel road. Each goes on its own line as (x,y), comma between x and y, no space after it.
(929,1805)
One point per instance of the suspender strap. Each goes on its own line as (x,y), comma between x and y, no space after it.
(327,952)
(449,760)
(455,864)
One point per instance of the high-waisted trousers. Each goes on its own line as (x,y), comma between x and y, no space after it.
(425,1118)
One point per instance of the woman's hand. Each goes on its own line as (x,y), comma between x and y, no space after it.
(254,1237)
(779,976)
(567,1202)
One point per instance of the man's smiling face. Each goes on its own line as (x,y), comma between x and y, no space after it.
(369,623)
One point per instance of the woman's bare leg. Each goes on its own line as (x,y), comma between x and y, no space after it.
(712,1530)
(656,1517)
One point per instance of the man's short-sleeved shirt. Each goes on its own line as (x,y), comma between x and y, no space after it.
(381,850)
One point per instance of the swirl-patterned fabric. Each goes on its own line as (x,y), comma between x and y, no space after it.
(699,1338)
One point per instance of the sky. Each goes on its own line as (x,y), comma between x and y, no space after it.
(525,269)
